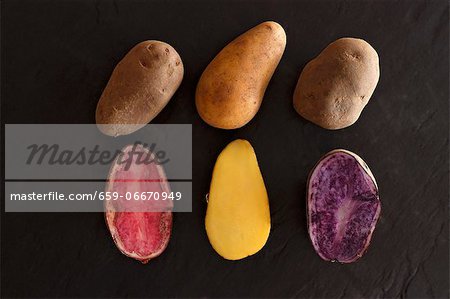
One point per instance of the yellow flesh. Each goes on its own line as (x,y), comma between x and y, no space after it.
(238,216)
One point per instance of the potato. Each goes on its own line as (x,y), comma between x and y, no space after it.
(334,87)
(238,215)
(140,229)
(231,89)
(343,206)
(140,86)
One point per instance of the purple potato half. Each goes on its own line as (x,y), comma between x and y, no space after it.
(343,206)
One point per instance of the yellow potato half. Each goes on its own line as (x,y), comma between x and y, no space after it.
(238,215)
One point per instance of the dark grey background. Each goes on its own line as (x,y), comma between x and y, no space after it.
(57,57)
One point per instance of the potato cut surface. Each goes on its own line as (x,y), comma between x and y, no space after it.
(140,228)
(238,216)
(343,207)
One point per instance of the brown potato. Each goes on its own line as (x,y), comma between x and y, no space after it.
(334,87)
(140,86)
(231,89)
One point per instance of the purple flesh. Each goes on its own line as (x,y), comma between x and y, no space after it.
(343,207)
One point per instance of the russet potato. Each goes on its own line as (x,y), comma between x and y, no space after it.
(231,89)
(334,87)
(140,86)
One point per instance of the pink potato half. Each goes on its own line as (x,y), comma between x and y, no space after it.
(140,229)
(343,206)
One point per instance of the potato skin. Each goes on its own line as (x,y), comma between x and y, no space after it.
(230,90)
(334,87)
(140,86)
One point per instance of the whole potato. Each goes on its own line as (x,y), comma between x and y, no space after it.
(231,89)
(140,86)
(334,87)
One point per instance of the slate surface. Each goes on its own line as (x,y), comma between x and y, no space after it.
(57,57)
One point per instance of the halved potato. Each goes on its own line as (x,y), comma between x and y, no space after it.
(238,215)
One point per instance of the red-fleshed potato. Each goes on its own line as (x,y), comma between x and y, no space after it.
(140,86)
(140,229)
(231,89)
(334,87)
